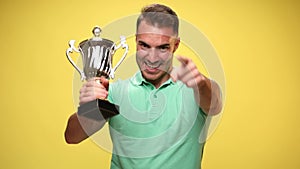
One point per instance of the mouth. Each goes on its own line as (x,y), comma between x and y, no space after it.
(154,65)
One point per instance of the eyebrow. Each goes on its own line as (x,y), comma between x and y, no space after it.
(164,45)
(143,43)
(160,46)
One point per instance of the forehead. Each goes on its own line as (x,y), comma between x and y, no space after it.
(153,35)
(147,29)
(154,39)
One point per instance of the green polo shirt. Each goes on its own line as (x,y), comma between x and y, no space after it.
(158,128)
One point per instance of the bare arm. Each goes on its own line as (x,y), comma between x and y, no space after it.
(78,127)
(207,92)
(74,132)
(209,95)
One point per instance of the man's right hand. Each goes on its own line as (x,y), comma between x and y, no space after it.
(92,90)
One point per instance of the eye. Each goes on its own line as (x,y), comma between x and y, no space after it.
(143,45)
(164,48)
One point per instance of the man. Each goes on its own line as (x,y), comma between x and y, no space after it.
(162,109)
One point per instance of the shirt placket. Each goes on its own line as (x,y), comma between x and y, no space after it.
(155,108)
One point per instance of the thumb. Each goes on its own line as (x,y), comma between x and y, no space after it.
(104,82)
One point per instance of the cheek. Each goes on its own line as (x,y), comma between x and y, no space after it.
(168,60)
(141,53)
(166,56)
(140,57)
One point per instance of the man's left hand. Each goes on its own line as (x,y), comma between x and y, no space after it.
(188,73)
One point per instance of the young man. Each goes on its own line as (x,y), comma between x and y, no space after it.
(162,109)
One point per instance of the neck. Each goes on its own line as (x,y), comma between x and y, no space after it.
(158,82)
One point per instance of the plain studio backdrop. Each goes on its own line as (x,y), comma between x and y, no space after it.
(257,43)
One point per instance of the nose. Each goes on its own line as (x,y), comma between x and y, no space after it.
(152,55)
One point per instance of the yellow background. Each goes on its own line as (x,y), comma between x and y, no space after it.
(258,45)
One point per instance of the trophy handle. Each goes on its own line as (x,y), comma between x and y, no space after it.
(70,50)
(122,44)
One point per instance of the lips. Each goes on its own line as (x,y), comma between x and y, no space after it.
(154,65)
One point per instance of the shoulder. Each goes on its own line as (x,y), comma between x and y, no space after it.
(118,88)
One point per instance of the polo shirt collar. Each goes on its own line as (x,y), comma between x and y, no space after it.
(138,80)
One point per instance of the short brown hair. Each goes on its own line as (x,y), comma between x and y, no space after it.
(159,15)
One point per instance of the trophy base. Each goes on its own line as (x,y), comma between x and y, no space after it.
(98,110)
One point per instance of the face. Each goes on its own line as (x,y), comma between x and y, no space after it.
(155,48)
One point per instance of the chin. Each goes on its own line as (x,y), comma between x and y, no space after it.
(154,77)
(150,76)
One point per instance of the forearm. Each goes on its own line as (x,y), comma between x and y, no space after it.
(79,128)
(208,95)
(74,132)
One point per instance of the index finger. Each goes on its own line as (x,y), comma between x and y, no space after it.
(183,60)
(93,79)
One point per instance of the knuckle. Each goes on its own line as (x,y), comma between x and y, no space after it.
(81,90)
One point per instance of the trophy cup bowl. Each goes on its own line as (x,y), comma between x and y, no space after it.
(97,56)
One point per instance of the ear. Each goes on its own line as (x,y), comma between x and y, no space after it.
(177,42)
